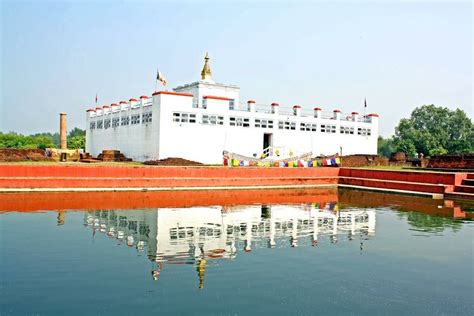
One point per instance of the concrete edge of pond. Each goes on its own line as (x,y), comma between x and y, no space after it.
(257,187)
(131,189)
(436,196)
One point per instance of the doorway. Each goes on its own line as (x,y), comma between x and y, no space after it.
(267,140)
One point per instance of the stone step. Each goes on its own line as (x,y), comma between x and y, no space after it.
(468,182)
(404,176)
(395,185)
(459,196)
(464,188)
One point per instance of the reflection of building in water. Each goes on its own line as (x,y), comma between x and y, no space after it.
(200,235)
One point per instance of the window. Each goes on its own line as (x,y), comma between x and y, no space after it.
(146,117)
(106,123)
(204,103)
(328,128)
(125,120)
(263,123)
(363,131)
(286,125)
(115,122)
(100,124)
(92,125)
(184,117)
(212,119)
(310,127)
(347,130)
(239,121)
(135,119)
(231,104)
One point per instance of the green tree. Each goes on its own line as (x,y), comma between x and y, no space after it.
(434,130)
(56,140)
(14,140)
(76,139)
(76,142)
(385,146)
(76,131)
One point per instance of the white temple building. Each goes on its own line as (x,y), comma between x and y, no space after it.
(200,120)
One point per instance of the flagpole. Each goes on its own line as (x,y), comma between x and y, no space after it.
(365,106)
(157,78)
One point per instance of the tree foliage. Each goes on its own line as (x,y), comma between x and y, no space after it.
(76,142)
(76,139)
(434,130)
(76,131)
(385,146)
(14,140)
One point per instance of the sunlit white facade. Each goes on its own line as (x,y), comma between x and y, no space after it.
(198,121)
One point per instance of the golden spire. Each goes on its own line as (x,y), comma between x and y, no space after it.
(206,70)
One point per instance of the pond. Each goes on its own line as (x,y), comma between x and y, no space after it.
(330,253)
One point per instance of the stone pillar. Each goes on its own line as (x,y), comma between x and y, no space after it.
(275,108)
(134,103)
(297,110)
(317,112)
(62,130)
(123,105)
(251,105)
(373,118)
(143,99)
(90,113)
(355,116)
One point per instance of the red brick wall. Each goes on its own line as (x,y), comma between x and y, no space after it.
(461,161)
(10,154)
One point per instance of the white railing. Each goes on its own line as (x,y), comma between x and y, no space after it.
(263,108)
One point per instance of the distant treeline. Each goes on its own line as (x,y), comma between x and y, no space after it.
(76,139)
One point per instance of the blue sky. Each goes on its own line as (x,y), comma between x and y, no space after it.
(55,56)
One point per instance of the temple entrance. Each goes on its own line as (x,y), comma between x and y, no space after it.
(267,140)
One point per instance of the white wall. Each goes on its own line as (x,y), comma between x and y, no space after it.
(164,138)
(139,142)
(205,143)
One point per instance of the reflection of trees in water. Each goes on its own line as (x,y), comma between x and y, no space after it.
(430,223)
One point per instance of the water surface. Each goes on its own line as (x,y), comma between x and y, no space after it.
(325,257)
